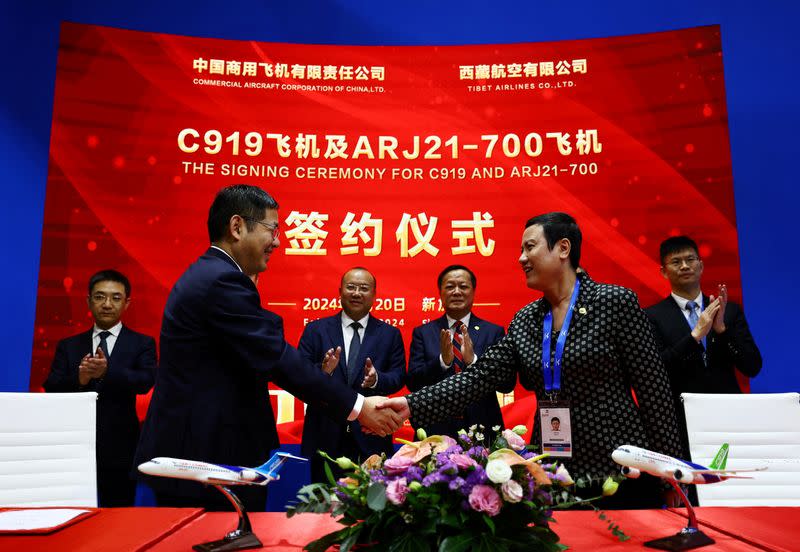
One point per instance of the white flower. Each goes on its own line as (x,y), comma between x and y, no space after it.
(498,471)
(512,491)
(563,476)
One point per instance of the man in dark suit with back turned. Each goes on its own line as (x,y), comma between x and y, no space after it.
(703,340)
(452,343)
(219,350)
(374,362)
(118,364)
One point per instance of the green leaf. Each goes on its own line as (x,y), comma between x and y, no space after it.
(352,538)
(409,542)
(329,473)
(458,543)
(490,523)
(376,497)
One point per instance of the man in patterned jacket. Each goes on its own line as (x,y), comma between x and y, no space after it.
(602,346)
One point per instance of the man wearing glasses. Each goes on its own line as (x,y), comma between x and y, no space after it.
(118,363)
(703,339)
(370,358)
(219,351)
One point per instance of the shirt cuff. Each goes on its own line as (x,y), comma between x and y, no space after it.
(356,408)
(442,364)
(474,360)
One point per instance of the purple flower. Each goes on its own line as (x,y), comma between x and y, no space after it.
(448,468)
(484,498)
(478,452)
(433,478)
(456,484)
(414,473)
(477,477)
(396,491)
(398,465)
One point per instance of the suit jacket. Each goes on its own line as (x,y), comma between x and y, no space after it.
(424,369)
(219,349)
(384,345)
(131,371)
(609,350)
(732,350)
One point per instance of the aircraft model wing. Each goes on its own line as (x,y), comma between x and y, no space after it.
(223,481)
(726,473)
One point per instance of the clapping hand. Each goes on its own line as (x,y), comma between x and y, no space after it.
(719,318)
(370,375)
(331,360)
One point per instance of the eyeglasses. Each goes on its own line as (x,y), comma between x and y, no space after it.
(100,298)
(678,262)
(363,288)
(273,229)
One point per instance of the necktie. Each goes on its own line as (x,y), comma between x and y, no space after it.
(352,354)
(103,345)
(458,339)
(691,306)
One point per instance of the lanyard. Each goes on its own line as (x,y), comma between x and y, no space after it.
(552,378)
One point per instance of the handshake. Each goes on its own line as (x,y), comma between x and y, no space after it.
(383,416)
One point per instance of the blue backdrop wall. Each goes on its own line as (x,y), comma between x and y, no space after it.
(760,42)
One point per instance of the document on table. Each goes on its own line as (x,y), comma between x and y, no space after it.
(37,519)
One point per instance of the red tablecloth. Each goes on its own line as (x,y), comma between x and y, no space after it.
(171,529)
(579,530)
(772,528)
(112,530)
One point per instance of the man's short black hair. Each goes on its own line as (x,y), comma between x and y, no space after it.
(676,244)
(110,275)
(555,419)
(250,202)
(557,226)
(451,268)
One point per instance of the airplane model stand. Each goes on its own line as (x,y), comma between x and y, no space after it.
(239,539)
(689,537)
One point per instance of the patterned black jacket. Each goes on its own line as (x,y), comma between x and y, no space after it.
(609,351)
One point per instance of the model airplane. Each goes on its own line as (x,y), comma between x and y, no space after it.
(635,460)
(217,474)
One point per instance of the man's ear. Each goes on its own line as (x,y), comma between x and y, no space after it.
(236,227)
(564,248)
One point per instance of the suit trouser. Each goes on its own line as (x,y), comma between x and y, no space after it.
(115,488)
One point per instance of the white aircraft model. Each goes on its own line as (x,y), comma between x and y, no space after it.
(217,474)
(635,460)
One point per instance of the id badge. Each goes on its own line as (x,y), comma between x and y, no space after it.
(556,429)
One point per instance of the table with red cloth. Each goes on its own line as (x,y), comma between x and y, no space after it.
(171,529)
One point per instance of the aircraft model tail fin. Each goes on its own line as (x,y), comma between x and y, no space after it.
(272,466)
(719,461)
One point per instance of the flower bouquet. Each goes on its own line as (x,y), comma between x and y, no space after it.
(445,494)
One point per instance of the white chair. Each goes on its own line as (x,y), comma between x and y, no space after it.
(47,449)
(762,430)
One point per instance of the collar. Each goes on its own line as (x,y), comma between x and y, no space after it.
(464,320)
(682,300)
(113,329)
(229,256)
(346,320)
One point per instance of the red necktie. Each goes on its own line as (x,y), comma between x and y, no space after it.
(458,339)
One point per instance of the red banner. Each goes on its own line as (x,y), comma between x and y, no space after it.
(399,159)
